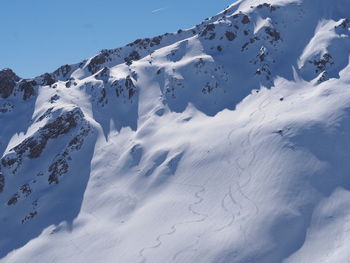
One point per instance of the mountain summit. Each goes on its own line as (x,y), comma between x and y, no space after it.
(226,142)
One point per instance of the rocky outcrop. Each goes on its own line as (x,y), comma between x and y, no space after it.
(146,42)
(133,56)
(27,87)
(321,63)
(230,35)
(33,146)
(47,79)
(63,71)
(60,164)
(124,88)
(8,80)
(2,182)
(97,61)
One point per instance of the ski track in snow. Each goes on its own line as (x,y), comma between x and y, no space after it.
(173,228)
(189,249)
(232,213)
(246,145)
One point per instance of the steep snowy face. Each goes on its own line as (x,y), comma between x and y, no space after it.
(225,142)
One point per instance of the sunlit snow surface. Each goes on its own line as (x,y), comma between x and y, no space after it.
(208,147)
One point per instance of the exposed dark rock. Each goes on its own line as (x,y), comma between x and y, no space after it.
(212,36)
(136,42)
(263,54)
(209,87)
(245,20)
(2,182)
(103,74)
(322,63)
(273,33)
(264,69)
(34,145)
(199,63)
(26,190)
(6,107)
(269,6)
(27,86)
(156,41)
(13,200)
(342,27)
(8,161)
(133,56)
(118,88)
(63,124)
(245,46)
(131,93)
(103,95)
(146,42)
(31,215)
(47,79)
(263,5)
(251,41)
(54,98)
(230,35)
(129,83)
(68,84)
(58,168)
(60,165)
(209,27)
(46,114)
(77,142)
(64,70)
(97,61)
(8,81)
(345,23)
(323,77)
(130,87)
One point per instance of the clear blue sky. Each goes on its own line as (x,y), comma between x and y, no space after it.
(38,36)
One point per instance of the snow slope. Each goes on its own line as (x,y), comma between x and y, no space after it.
(227,142)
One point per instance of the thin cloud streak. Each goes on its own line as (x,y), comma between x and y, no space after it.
(158,10)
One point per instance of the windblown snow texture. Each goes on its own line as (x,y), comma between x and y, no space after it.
(227,142)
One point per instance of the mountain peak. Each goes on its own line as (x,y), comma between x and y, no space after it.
(8,73)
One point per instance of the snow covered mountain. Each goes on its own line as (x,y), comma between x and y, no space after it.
(227,142)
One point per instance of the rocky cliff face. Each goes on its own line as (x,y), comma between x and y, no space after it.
(201,145)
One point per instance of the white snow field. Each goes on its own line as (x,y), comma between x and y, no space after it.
(225,143)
